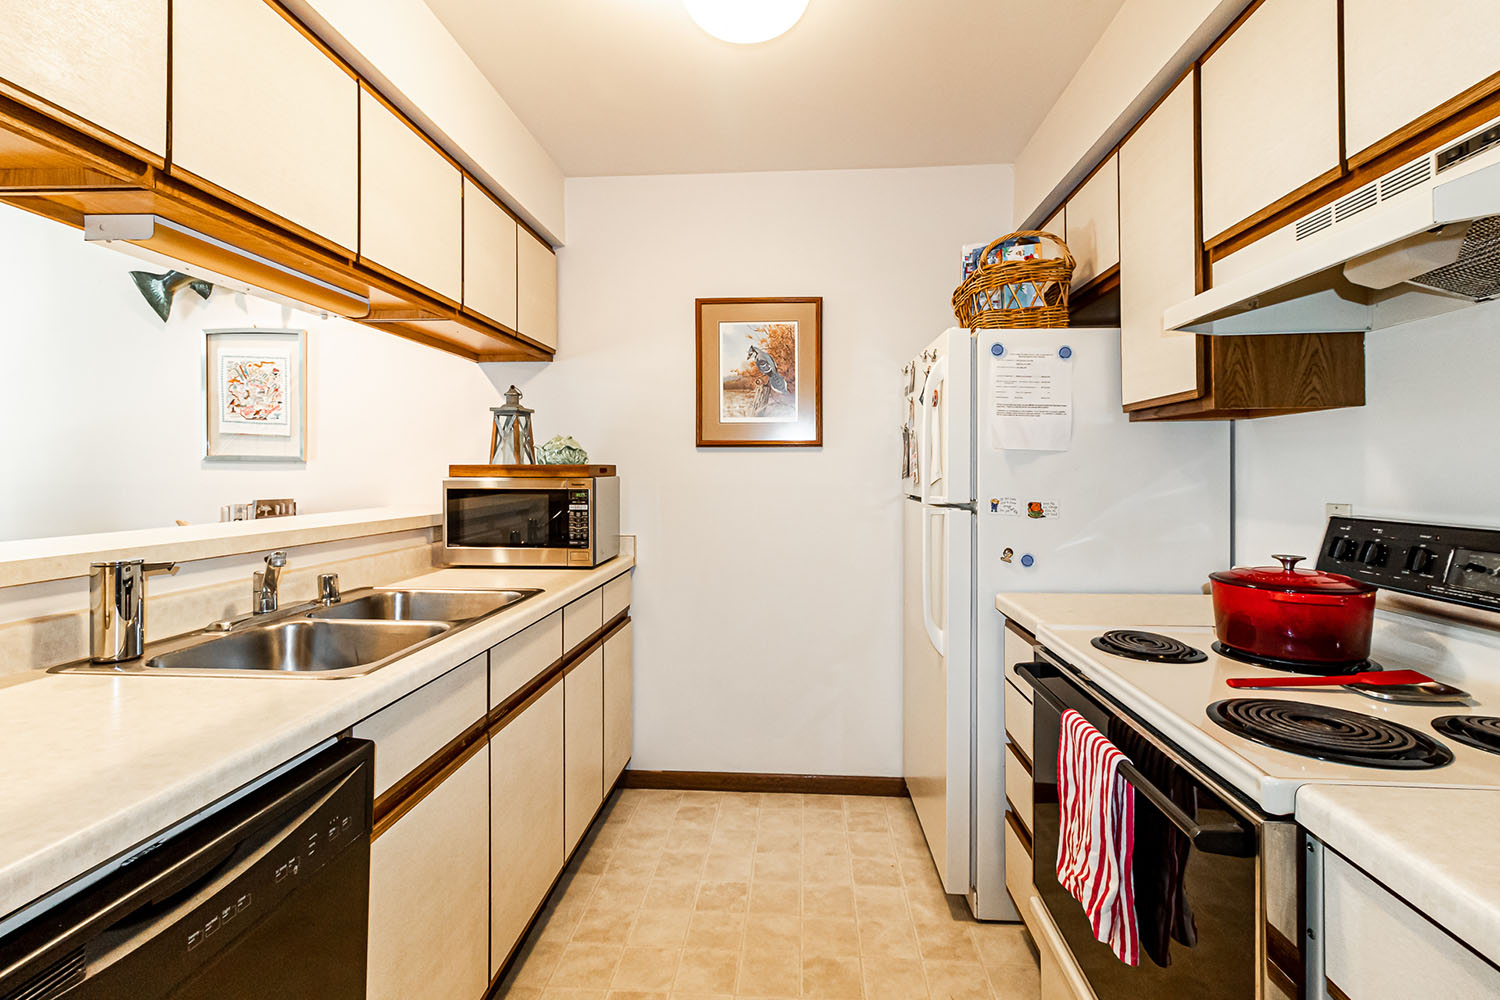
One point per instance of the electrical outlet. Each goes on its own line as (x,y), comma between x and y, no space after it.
(1338,509)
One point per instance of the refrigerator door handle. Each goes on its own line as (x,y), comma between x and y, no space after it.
(935,635)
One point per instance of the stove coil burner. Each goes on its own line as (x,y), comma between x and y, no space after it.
(1148,646)
(1296,666)
(1331,734)
(1482,731)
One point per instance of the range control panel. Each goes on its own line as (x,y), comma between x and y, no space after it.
(1442,562)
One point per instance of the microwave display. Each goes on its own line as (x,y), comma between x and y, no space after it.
(517,518)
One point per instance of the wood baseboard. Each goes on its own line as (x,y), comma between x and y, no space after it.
(743,781)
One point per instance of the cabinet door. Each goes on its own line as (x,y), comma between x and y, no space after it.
(1270,110)
(1402,61)
(104,61)
(261,112)
(526,818)
(583,745)
(536,265)
(582,618)
(415,728)
(1093,224)
(1158,250)
(429,899)
(411,202)
(489,257)
(619,704)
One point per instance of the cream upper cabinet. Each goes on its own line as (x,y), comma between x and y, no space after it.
(1158,248)
(429,897)
(261,112)
(526,818)
(583,745)
(102,60)
(537,290)
(619,705)
(1058,224)
(1093,223)
(489,257)
(1270,113)
(411,205)
(1404,60)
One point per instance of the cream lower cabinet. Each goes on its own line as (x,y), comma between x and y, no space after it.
(619,705)
(104,61)
(1158,247)
(583,745)
(526,817)
(429,900)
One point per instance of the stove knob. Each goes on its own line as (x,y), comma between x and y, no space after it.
(1419,559)
(1343,548)
(1373,554)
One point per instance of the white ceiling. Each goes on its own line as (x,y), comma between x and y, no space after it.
(634,87)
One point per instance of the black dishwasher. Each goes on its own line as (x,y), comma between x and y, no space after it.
(267,896)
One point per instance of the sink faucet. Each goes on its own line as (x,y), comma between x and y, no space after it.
(264,597)
(117,608)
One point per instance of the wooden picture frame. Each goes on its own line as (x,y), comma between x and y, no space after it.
(745,351)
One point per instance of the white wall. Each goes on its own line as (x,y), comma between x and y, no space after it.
(403,48)
(767,596)
(1145,49)
(102,406)
(1423,447)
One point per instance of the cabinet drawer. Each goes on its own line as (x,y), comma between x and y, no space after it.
(523,656)
(616,596)
(582,618)
(1018,649)
(526,817)
(1018,789)
(1018,877)
(104,61)
(1377,946)
(259,111)
(425,721)
(429,899)
(1018,724)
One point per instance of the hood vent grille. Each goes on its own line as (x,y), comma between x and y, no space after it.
(1476,273)
(1315,223)
(1407,177)
(1355,203)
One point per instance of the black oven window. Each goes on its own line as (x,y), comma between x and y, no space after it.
(487,518)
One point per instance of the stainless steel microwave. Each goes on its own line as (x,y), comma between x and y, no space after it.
(524,521)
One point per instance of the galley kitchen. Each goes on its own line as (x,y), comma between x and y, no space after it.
(452,548)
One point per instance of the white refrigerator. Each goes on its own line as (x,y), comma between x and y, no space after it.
(1022,473)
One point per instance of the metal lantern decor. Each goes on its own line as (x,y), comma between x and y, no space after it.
(510,437)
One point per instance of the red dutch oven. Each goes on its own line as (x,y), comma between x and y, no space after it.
(1285,613)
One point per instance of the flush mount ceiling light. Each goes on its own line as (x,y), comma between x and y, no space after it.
(745,22)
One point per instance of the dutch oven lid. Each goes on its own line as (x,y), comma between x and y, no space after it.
(1288,579)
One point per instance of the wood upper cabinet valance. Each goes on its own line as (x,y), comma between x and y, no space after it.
(98,64)
(1270,112)
(263,116)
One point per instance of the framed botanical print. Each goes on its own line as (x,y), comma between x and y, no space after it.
(255,395)
(760,372)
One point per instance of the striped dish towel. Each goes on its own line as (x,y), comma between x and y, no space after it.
(1096,841)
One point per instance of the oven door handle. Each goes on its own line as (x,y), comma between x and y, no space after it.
(1228,839)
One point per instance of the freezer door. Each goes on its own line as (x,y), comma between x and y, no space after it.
(936,655)
(945,420)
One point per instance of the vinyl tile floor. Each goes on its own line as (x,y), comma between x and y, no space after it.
(698,895)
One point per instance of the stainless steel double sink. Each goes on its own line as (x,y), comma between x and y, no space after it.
(361,633)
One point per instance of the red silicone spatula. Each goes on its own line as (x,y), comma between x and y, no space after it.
(1375,678)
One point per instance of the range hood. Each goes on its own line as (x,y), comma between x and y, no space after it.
(1423,239)
(172,245)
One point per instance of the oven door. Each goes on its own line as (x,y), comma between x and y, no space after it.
(1195,864)
(525,522)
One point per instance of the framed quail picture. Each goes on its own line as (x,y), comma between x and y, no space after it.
(255,395)
(760,372)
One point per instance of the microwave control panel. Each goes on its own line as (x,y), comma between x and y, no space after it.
(578,519)
(1441,562)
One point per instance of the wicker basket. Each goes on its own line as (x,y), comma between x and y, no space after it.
(986,297)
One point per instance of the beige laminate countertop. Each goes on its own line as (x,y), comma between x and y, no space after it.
(1433,847)
(1034,612)
(95,764)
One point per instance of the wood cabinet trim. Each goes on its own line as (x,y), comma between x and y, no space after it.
(1098,286)
(469,743)
(223,194)
(1021,631)
(533,689)
(1287,204)
(1014,746)
(1019,829)
(51,112)
(511,709)
(1431,121)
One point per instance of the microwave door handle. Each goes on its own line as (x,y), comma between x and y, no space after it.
(1228,839)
